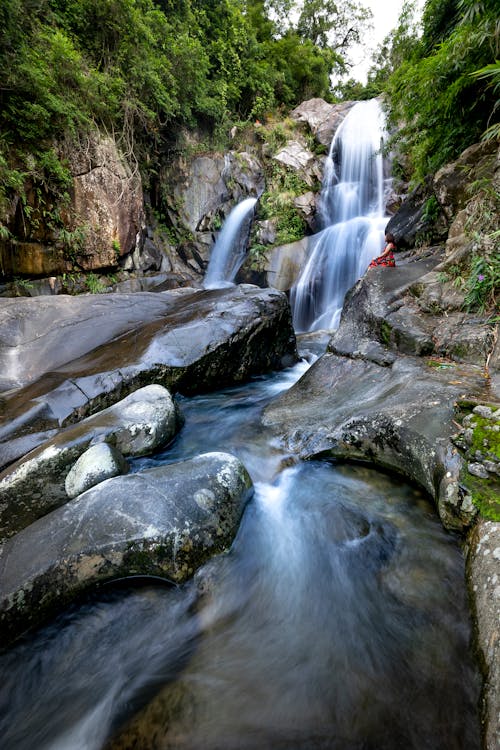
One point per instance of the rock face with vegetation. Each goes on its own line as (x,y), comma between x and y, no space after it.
(165,521)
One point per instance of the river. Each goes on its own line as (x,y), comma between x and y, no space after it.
(337,621)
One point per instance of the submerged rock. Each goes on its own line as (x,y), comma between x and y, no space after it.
(35,485)
(165,521)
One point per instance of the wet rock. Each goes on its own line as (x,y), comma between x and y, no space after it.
(165,521)
(284,263)
(35,485)
(483,575)
(94,350)
(396,416)
(98,463)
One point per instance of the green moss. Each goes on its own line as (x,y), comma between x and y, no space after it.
(485,493)
(484,439)
(385,332)
(485,496)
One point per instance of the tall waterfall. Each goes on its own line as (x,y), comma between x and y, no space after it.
(228,252)
(352,216)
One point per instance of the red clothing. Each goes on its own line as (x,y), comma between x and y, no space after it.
(386,260)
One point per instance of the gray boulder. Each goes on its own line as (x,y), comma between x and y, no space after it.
(165,521)
(322,118)
(483,575)
(35,485)
(395,416)
(84,354)
(99,462)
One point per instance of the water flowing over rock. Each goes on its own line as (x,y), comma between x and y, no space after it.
(352,211)
(165,521)
(84,354)
(229,250)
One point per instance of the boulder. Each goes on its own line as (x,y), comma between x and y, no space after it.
(297,157)
(107,200)
(284,263)
(396,416)
(99,462)
(36,484)
(384,309)
(322,118)
(483,577)
(84,354)
(165,521)
(451,184)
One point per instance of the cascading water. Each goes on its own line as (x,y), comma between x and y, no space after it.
(352,217)
(228,252)
(338,621)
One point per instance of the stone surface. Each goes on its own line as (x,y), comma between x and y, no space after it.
(284,264)
(384,307)
(322,118)
(99,462)
(397,417)
(95,351)
(35,485)
(165,521)
(451,182)
(483,574)
(297,157)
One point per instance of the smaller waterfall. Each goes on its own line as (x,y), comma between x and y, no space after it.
(228,252)
(352,216)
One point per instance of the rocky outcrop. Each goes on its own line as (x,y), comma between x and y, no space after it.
(37,483)
(322,118)
(300,159)
(107,202)
(483,573)
(165,521)
(95,352)
(103,222)
(202,193)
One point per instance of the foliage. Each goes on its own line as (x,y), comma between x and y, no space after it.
(94,284)
(442,87)
(283,186)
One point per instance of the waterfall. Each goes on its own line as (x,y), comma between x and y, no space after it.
(352,219)
(228,252)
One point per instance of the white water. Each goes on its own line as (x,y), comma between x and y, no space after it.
(228,252)
(352,216)
(337,622)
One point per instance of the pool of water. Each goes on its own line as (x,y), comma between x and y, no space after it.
(338,620)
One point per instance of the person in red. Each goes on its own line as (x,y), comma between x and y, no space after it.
(387,257)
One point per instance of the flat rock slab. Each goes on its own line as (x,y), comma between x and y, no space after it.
(398,417)
(109,345)
(165,521)
(35,485)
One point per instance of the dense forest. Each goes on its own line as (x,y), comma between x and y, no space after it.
(144,69)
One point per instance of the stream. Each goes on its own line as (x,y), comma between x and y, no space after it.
(337,621)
